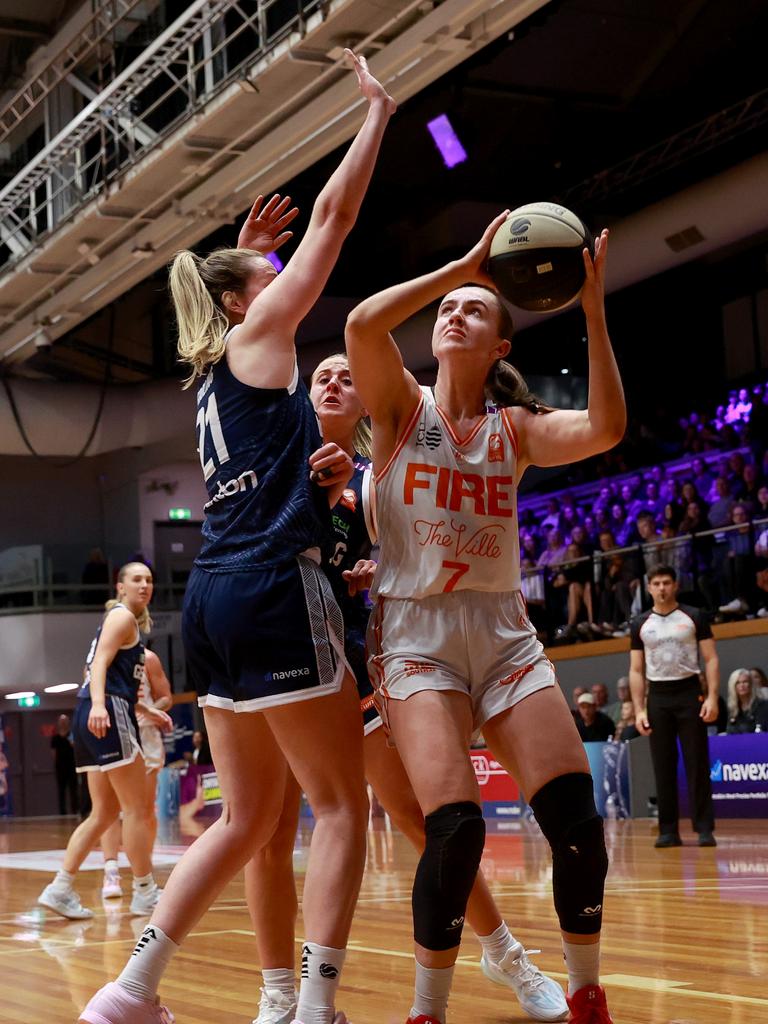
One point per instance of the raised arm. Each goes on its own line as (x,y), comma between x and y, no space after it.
(273,316)
(387,390)
(568,435)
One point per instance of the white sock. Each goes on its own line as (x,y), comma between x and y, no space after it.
(583,963)
(280,979)
(320,974)
(143,884)
(433,986)
(63,880)
(498,943)
(111,867)
(141,975)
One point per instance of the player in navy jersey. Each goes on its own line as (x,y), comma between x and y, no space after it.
(269,878)
(450,639)
(261,628)
(107,746)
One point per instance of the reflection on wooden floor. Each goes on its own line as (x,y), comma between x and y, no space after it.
(686,937)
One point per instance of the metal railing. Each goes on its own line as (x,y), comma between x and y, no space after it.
(180,71)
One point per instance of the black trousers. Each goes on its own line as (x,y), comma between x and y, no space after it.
(67,782)
(673,712)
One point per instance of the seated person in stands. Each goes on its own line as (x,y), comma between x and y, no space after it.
(626,728)
(615,581)
(592,724)
(575,578)
(201,751)
(738,565)
(760,682)
(745,709)
(623,694)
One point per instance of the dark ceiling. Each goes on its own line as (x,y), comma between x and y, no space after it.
(576,89)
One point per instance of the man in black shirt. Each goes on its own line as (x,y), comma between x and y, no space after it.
(64,766)
(665,646)
(592,724)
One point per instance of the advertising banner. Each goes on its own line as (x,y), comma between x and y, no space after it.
(738,768)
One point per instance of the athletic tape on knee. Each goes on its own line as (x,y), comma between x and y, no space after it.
(455,835)
(565,810)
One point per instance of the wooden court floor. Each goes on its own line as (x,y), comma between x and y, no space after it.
(685,942)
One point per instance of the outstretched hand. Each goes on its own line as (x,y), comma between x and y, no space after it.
(370,87)
(593,292)
(475,262)
(264,229)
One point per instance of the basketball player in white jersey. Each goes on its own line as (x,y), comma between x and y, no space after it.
(156,693)
(450,641)
(269,879)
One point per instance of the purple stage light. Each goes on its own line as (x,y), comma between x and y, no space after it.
(447,141)
(275,260)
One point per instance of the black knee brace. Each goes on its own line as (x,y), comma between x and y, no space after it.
(565,810)
(455,834)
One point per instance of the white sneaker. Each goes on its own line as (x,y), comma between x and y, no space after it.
(275,1007)
(65,902)
(540,996)
(735,606)
(145,902)
(762,613)
(111,887)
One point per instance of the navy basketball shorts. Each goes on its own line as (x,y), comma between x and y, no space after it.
(357,656)
(120,745)
(263,638)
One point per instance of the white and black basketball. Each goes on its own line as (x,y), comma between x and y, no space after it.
(536,258)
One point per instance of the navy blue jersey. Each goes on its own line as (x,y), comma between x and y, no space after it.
(126,672)
(254,446)
(350,541)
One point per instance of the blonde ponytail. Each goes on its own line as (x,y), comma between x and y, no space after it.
(196,288)
(363,440)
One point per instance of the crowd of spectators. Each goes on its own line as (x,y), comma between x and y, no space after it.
(584,558)
(745,709)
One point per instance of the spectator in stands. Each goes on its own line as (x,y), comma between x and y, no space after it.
(551,520)
(744,405)
(760,682)
(689,492)
(600,692)
(731,410)
(622,696)
(744,706)
(615,578)
(569,518)
(575,578)
(738,565)
(592,724)
(201,750)
(649,538)
(672,515)
(625,727)
(622,526)
(702,479)
(554,553)
(95,573)
(751,488)
(652,501)
(761,506)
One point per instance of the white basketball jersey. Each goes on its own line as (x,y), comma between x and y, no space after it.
(447,507)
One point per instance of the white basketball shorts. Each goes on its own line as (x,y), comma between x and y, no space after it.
(473,642)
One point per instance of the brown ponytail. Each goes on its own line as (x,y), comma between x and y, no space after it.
(505,386)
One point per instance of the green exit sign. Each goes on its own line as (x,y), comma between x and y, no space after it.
(179,513)
(29,702)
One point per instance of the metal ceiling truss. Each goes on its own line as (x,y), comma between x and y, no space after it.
(178,143)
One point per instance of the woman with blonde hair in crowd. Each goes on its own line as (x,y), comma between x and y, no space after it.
(746,711)
(107,746)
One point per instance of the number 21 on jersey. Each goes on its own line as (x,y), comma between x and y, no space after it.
(208,416)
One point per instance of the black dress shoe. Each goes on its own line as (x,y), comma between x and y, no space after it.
(707,839)
(668,839)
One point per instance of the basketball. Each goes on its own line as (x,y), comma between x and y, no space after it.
(536,257)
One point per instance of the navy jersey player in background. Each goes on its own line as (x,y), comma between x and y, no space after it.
(450,639)
(262,633)
(269,877)
(107,746)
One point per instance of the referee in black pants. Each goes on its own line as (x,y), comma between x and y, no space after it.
(665,646)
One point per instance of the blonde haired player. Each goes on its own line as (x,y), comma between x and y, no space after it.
(270,886)
(262,633)
(451,644)
(107,746)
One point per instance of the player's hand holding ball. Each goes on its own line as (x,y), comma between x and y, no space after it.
(330,465)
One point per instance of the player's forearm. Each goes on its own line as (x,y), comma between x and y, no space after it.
(712,675)
(383,312)
(98,682)
(344,191)
(606,406)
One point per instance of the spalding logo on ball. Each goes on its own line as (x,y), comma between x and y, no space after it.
(536,259)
